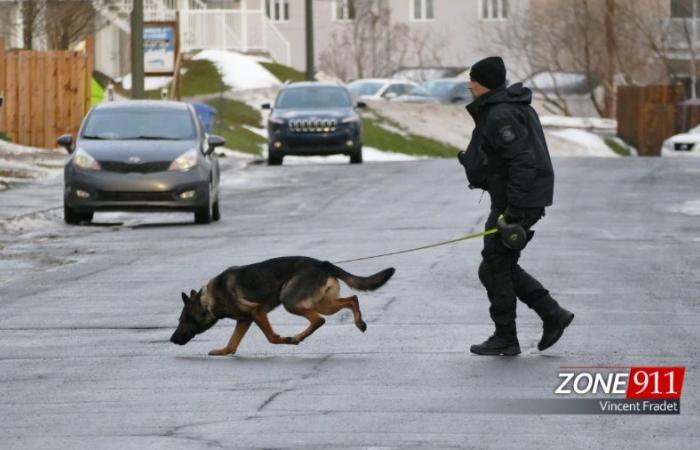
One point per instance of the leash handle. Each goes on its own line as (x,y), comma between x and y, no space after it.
(424,247)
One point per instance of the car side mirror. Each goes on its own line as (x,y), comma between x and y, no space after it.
(266,106)
(66,141)
(391,95)
(213,142)
(457,99)
(361,104)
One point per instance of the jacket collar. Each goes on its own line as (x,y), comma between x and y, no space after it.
(478,105)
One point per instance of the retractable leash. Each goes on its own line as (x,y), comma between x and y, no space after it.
(513,236)
(424,247)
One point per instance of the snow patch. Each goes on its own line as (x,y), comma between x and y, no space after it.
(149,83)
(689,208)
(239,71)
(369,154)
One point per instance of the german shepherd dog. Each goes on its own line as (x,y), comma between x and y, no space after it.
(305,286)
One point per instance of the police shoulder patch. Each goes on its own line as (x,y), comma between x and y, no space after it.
(507,134)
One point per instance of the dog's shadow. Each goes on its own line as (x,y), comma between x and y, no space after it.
(287,359)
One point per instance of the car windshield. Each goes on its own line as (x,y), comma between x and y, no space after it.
(156,124)
(365,87)
(314,97)
(439,88)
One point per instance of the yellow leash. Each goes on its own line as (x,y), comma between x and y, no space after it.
(451,241)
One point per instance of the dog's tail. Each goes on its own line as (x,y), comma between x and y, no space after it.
(369,283)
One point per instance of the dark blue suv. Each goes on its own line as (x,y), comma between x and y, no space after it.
(313,118)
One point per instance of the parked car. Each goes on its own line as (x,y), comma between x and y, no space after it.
(444,91)
(427,73)
(684,144)
(380,88)
(141,156)
(314,118)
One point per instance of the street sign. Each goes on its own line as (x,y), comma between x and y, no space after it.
(160,47)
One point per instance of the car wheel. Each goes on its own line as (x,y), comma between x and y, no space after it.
(216,212)
(356,156)
(203,215)
(274,159)
(72,217)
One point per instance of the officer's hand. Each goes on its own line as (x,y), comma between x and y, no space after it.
(513,215)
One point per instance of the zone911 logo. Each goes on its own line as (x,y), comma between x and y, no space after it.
(636,383)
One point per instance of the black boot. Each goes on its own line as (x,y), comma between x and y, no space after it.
(553,327)
(497,345)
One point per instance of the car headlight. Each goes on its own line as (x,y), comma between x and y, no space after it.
(84,160)
(351,119)
(185,162)
(668,145)
(276,121)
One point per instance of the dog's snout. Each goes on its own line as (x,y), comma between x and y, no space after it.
(175,339)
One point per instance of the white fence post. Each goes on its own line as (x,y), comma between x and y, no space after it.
(244,26)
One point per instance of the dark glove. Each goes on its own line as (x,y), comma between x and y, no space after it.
(513,214)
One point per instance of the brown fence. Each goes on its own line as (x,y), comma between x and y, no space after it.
(47,94)
(646,115)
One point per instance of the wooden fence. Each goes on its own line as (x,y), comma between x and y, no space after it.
(647,115)
(47,93)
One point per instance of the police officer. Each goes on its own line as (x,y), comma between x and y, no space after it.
(508,157)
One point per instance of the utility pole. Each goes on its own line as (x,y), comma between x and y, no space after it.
(611,56)
(137,90)
(310,69)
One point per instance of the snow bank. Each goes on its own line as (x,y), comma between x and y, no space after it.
(239,71)
(573,142)
(369,154)
(587,123)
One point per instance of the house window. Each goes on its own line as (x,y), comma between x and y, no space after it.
(422,9)
(494,9)
(685,8)
(277,10)
(343,10)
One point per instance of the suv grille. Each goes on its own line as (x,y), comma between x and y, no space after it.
(313,125)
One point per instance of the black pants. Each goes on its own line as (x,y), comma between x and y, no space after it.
(505,280)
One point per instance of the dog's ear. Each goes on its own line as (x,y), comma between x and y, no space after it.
(193,293)
(184,298)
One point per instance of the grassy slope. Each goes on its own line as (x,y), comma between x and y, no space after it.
(284,73)
(379,137)
(230,118)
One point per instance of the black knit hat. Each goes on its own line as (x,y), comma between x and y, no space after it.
(489,72)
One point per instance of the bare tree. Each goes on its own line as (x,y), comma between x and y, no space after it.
(56,24)
(671,40)
(596,39)
(68,22)
(371,46)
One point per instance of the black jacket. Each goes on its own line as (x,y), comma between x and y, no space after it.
(508,155)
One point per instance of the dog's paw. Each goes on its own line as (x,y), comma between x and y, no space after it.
(219,352)
(361,325)
(291,340)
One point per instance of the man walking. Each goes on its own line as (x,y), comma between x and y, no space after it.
(508,157)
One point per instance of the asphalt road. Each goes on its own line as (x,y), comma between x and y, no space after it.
(86,313)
